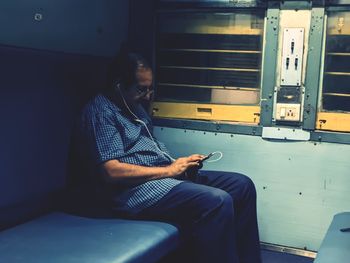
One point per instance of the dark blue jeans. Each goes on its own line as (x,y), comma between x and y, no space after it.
(217,213)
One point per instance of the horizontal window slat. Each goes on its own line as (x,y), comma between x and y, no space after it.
(221,42)
(214,69)
(215,60)
(337,94)
(212,50)
(211,78)
(174,85)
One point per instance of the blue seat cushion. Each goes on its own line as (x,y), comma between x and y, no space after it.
(336,244)
(64,238)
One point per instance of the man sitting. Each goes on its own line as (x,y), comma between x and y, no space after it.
(216,211)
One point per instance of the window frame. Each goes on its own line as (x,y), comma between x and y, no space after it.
(250,113)
(327,120)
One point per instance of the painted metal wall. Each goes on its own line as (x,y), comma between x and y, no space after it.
(94,27)
(300,185)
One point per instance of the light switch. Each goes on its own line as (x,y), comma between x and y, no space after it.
(283,112)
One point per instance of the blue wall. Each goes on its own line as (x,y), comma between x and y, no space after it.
(81,26)
(49,69)
(300,185)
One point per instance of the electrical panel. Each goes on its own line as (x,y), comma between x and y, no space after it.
(289,92)
(292,55)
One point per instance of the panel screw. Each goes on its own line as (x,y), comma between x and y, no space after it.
(38,17)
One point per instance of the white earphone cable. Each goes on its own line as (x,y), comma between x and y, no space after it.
(144,124)
(217,159)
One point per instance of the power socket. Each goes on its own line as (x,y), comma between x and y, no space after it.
(287,112)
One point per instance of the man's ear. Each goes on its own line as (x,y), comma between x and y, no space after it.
(120,89)
(117,83)
(119,86)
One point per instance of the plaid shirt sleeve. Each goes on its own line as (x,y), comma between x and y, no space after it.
(103,137)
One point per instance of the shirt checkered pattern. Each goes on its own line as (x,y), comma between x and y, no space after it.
(111,134)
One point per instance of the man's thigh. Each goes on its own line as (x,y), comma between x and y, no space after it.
(227,181)
(186,203)
(239,186)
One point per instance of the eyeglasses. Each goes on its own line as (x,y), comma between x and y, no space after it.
(143,89)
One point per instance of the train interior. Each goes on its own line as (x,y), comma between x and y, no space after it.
(264,83)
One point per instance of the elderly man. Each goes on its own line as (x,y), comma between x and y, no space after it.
(216,211)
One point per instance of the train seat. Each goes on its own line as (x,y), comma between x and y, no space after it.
(336,244)
(59,237)
(43,93)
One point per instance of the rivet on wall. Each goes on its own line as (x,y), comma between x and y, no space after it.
(38,17)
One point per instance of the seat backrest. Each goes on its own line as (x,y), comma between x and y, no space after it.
(335,246)
(41,94)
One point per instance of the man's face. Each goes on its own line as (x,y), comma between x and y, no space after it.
(142,89)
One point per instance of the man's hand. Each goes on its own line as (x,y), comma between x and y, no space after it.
(114,171)
(180,165)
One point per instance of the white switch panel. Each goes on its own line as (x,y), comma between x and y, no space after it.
(292,56)
(287,112)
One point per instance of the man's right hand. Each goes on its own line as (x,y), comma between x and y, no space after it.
(180,165)
(114,171)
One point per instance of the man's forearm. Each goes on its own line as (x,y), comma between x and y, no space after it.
(129,174)
(115,171)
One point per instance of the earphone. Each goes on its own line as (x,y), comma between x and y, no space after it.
(143,123)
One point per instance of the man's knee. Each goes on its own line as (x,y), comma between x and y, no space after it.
(221,196)
(247,182)
(219,200)
(247,186)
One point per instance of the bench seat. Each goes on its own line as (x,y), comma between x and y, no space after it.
(64,238)
(336,244)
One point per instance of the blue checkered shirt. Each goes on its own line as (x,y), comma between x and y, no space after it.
(111,134)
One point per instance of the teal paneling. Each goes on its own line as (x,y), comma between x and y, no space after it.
(94,27)
(336,137)
(300,185)
(293,5)
(338,8)
(209,126)
(313,68)
(269,66)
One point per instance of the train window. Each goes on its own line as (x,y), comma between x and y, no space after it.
(335,100)
(208,65)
